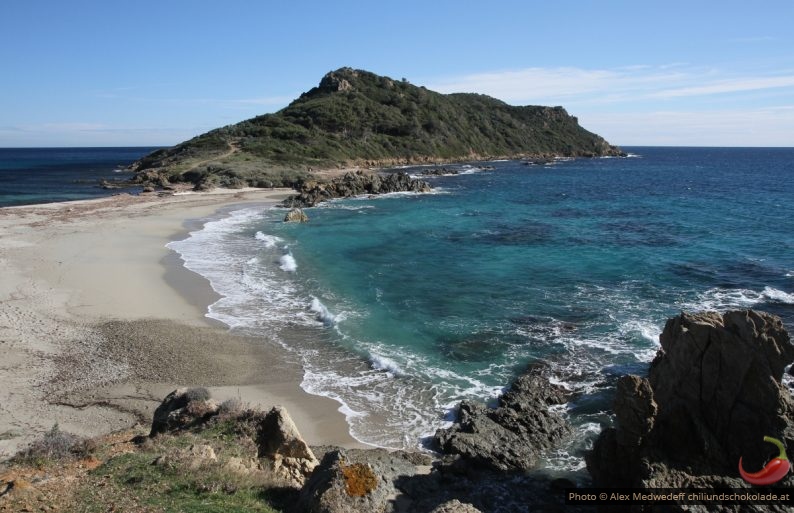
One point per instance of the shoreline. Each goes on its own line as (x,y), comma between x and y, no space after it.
(99,321)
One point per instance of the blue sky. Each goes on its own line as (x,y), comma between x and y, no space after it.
(104,73)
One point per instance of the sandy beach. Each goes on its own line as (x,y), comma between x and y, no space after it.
(99,321)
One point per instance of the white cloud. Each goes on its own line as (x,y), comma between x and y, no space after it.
(554,85)
(771,126)
(729,86)
(594,86)
(675,104)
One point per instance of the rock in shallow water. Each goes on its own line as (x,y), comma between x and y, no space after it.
(296,215)
(513,435)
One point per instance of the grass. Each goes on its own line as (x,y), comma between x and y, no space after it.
(211,468)
(180,482)
(132,480)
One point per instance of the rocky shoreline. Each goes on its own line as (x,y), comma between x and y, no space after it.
(712,393)
(313,192)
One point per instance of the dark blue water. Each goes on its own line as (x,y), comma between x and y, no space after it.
(401,306)
(43,175)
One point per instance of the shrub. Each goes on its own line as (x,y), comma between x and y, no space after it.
(232,407)
(197,394)
(55,445)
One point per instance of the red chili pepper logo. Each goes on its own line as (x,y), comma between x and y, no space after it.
(773,472)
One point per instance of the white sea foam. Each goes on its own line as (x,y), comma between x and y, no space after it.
(271,241)
(778,296)
(385,364)
(430,177)
(719,299)
(336,204)
(789,274)
(247,289)
(287,263)
(366,197)
(322,313)
(647,330)
(412,166)
(402,395)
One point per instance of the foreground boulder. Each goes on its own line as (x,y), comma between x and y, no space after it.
(182,409)
(355,480)
(353,184)
(514,434)
(280,444)
(713,392)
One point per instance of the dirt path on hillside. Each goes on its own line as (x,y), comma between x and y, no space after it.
(233,148)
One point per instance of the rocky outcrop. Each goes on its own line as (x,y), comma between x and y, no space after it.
(296,215)
(712,393)
(281,445)
(182,409)
(355,480)
(512,435)
(540,161)
(440,171)
(149,179)
(313,192)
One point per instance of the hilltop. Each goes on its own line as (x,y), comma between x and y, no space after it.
(358,118)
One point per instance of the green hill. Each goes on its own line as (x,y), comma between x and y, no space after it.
(355,117)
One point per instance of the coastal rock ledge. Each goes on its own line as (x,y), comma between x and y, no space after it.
(312,192)
(513,435)
(712,393)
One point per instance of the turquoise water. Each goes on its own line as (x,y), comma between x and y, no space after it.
(403,305)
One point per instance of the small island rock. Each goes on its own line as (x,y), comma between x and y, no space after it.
(296,215)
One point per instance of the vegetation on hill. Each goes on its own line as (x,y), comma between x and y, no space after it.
(356,117)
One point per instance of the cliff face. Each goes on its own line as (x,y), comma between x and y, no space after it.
(712,394)
(355,117)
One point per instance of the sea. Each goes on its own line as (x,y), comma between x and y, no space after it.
(401,306)
(44,175)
